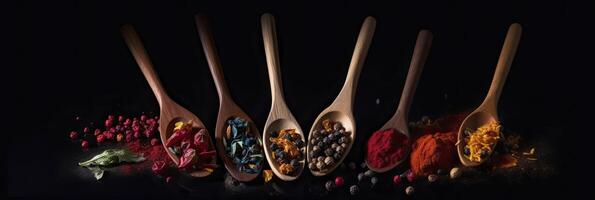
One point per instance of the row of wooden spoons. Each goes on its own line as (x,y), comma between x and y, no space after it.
(280,116)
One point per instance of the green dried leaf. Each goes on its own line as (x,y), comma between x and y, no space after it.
(109,158)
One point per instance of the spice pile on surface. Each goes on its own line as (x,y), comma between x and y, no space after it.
(287,150)
(122,130)
(242,146)
(329,145)
(431,152)
(386,147)
(480,143)
(191,145)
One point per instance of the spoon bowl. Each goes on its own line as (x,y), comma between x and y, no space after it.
(280,116)
(275,126)
(399,120)
(170,111)
(227,107)
(341,109)
(488,110)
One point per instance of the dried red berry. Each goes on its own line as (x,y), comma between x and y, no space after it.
(128,122)
(148,133)
(109,136)
(143,118)
(86,130)
(159,167)
(410,176)
(96,132)
(100,138)
(339,181)
(120,118)
(129,138)
(85,144)
(154,141)
(136,134)
(109,123)
(397,179)
(74,135)
(110,117)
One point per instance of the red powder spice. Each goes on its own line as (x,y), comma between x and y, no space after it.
(386,147)
(435,148)
(432,152)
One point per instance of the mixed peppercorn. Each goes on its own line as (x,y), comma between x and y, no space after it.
(329,145)
(287,149)
(242,146)
(120,130)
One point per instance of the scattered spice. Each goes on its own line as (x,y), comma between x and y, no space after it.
(480,143)
(329,185)
(374,180)
(455,172)
(432,178)
(288,149)
(267,175)
(329,145)
(386,147)
(339,181)
(85,144)
(354,190)
(409,190)
(128,129)
(242,146)
(191,145)
(397,179)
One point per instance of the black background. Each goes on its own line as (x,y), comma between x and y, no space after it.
(75,63)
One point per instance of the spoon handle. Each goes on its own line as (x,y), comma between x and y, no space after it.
(208,45)
(420,53)
(357,61)
(504,62)
(269,35)
(142,58)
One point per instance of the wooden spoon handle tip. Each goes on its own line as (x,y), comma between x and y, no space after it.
(142,58)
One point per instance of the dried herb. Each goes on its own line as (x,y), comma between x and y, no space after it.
(242,147)
(109,158)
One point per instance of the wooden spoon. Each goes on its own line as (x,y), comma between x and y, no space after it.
(341,109)
(400,119)
(280,116)
(170,111)
(488,110)
(227,107)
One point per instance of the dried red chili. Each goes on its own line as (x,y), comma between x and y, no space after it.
(159,167)
(187,159)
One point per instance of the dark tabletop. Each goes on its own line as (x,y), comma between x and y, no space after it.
(83,68)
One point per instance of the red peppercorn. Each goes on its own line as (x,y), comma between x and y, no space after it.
(109,123)
(129,138)
(120,118)
(136,134)
(154,141)
(85,144)
(96,132)
(110,117)
(127,123)
(143,118)
(74,135)
(109,136)
(119,137)
(397,179)
(100,138)
(410,176)
(86,130)
(339,181)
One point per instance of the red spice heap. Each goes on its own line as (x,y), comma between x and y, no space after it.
(386,147)
(432,152)
(435,148)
